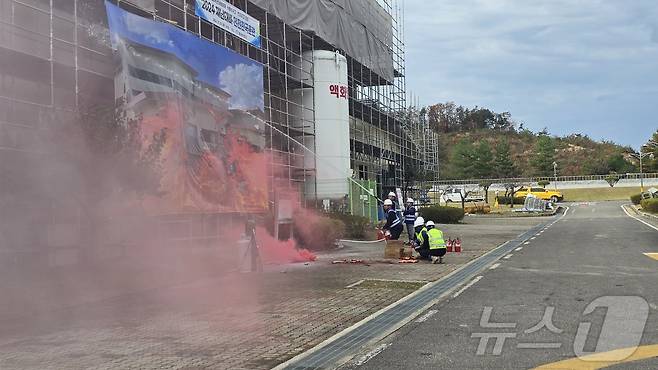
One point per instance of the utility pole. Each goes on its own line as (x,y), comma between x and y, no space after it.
(555,174)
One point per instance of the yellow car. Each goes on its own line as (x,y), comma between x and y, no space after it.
(541,193)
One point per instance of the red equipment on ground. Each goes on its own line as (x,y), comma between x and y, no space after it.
(458,245)
(449,244)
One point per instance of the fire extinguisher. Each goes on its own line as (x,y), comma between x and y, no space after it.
(449,243)
(458,245)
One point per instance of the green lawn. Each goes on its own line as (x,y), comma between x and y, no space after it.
(599,194)
(595,194)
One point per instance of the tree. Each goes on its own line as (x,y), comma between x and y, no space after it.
(463,159)
(486,184)
(479,118)
(618,164)
(651,147)
(612,179)
(542,161)
(504,166)
(482,160)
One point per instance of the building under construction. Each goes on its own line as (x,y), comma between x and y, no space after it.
(335,105)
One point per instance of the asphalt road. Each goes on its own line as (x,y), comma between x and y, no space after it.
(592,256)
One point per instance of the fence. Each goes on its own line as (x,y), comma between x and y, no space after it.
(529,180)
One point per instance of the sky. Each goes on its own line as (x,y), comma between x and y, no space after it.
(588,67)
(216,65)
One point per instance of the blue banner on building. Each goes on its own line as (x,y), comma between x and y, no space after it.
(226,16)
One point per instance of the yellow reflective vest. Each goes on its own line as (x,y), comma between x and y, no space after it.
(419,236)
(436,239)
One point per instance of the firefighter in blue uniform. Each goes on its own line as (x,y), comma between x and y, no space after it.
(409,218)
(393,225)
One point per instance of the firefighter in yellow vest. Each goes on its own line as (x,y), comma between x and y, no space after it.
(436,243)
(421,241)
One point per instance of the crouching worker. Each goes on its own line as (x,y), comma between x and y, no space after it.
(393,226)
(437,245)
(421,241)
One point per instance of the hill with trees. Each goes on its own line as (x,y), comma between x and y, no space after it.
(480,143)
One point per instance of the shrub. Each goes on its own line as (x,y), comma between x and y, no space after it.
(650,205)
(636,198)
(316,232)
(543,183)
(442,215)
(356,227)
(507,200)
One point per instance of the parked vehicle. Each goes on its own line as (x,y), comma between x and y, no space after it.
(456,195)
(539,192)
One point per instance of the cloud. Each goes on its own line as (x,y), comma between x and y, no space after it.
(245,85)
(548,62)
(143,27)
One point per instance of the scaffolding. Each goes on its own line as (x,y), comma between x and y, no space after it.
(66,42)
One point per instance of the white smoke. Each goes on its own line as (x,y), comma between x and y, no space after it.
(245,85)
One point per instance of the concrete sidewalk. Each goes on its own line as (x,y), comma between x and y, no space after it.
(231,321)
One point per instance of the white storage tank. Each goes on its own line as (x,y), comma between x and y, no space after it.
(332,127)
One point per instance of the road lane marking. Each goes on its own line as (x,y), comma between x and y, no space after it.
(494,266)
(652,255)
(533,238)
(426,316)
(637,219)
(603,359)
(518,249)
(526,243)
(470,284)
(508,256)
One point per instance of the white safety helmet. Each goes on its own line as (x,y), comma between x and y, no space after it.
(419,222)
(410,200)
(388,202)
(392,194)
(429,223)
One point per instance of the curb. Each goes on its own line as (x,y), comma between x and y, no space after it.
(339,359)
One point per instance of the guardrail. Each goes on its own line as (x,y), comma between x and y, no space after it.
(527,180)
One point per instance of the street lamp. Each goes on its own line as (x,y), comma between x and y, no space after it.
(650,144)
(555,174)
(640,156)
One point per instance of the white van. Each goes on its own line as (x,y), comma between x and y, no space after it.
(456,195)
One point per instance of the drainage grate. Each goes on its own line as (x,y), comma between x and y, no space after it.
(351,343)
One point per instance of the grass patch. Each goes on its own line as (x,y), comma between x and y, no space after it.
(590,195)
(599,194)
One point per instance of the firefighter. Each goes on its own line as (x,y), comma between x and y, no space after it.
(421,241)
(437,244)
(410,215)
(393,226)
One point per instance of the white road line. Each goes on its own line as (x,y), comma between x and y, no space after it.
(426,316)
(533,238)
(470,284)
(508,256)
(637,219)
(518,249)
(526,243)
(494,266)
(370,355)
(355,284)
